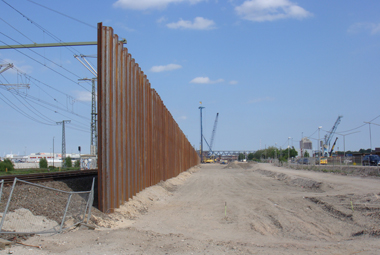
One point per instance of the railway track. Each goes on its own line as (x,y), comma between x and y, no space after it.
(40,177)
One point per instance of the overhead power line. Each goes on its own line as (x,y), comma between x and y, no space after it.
(44,64)
(17,30)
(16,108)
(41,28)
(50,9)
(36,81)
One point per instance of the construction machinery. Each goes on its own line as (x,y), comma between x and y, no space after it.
(328,137)
(332,148)
(326,142)
(210,155)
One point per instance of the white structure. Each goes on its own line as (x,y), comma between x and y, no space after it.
(32,160)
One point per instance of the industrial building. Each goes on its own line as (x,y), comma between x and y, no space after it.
(306,145)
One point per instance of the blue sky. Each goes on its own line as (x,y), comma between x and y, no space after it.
(273,69)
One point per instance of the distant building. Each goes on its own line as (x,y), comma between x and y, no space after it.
(306,145)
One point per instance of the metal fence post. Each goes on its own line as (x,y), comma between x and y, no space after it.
(90,201)
(6,208)
(64,215)
(1,189)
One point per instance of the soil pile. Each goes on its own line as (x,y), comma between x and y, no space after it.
(239,165)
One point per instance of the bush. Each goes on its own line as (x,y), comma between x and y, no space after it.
(77,163)
(6,164)
(43,163)
(68,162)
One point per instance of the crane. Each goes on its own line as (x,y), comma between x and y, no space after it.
(329,136)
(332,148)
(213,131)
(210,152)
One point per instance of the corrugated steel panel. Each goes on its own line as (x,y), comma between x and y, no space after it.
(139,142)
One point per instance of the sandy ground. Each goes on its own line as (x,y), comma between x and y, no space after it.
(270,210)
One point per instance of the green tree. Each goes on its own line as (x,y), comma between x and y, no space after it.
(250,156)
(7,164)
(43,163)
(68,162)
(77,163)
(270,152)
(363,151)
(241,156)
(306,154)
(292,153)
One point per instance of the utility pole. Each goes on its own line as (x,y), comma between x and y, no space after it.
(94,115)
(319,145)
(53,152)
(63,139)
(201,152)
(275,152)
(94,121)
(370,137)
(301,145)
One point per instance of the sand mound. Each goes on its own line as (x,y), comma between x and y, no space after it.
(23,220)
(139,204)
(239,165)
(294,181)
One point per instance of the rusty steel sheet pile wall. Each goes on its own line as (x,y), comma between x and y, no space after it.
(139,142)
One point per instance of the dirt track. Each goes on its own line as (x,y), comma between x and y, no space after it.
(270,210)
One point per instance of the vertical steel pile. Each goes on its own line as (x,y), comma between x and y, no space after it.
(140,144)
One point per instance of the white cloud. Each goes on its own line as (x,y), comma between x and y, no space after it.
(269,10)
(198,24)
(183,118)
(233,82)
(170,67)
(205,80)
(373,28)
(84,96)
(149,4)
(162,19)
(259,100)
(128,29)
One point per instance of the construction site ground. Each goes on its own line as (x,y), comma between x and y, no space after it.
(239,208)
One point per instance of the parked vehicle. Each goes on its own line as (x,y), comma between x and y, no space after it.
(304,161)
(347,161)
(322,161)
(371,160)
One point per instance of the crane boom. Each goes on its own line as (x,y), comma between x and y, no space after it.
(332,148)
(213,131)
(329,136)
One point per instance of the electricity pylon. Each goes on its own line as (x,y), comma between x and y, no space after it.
(63,140)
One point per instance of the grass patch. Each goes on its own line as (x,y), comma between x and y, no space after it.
(38,170)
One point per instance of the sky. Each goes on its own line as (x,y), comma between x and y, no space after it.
(274,70)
